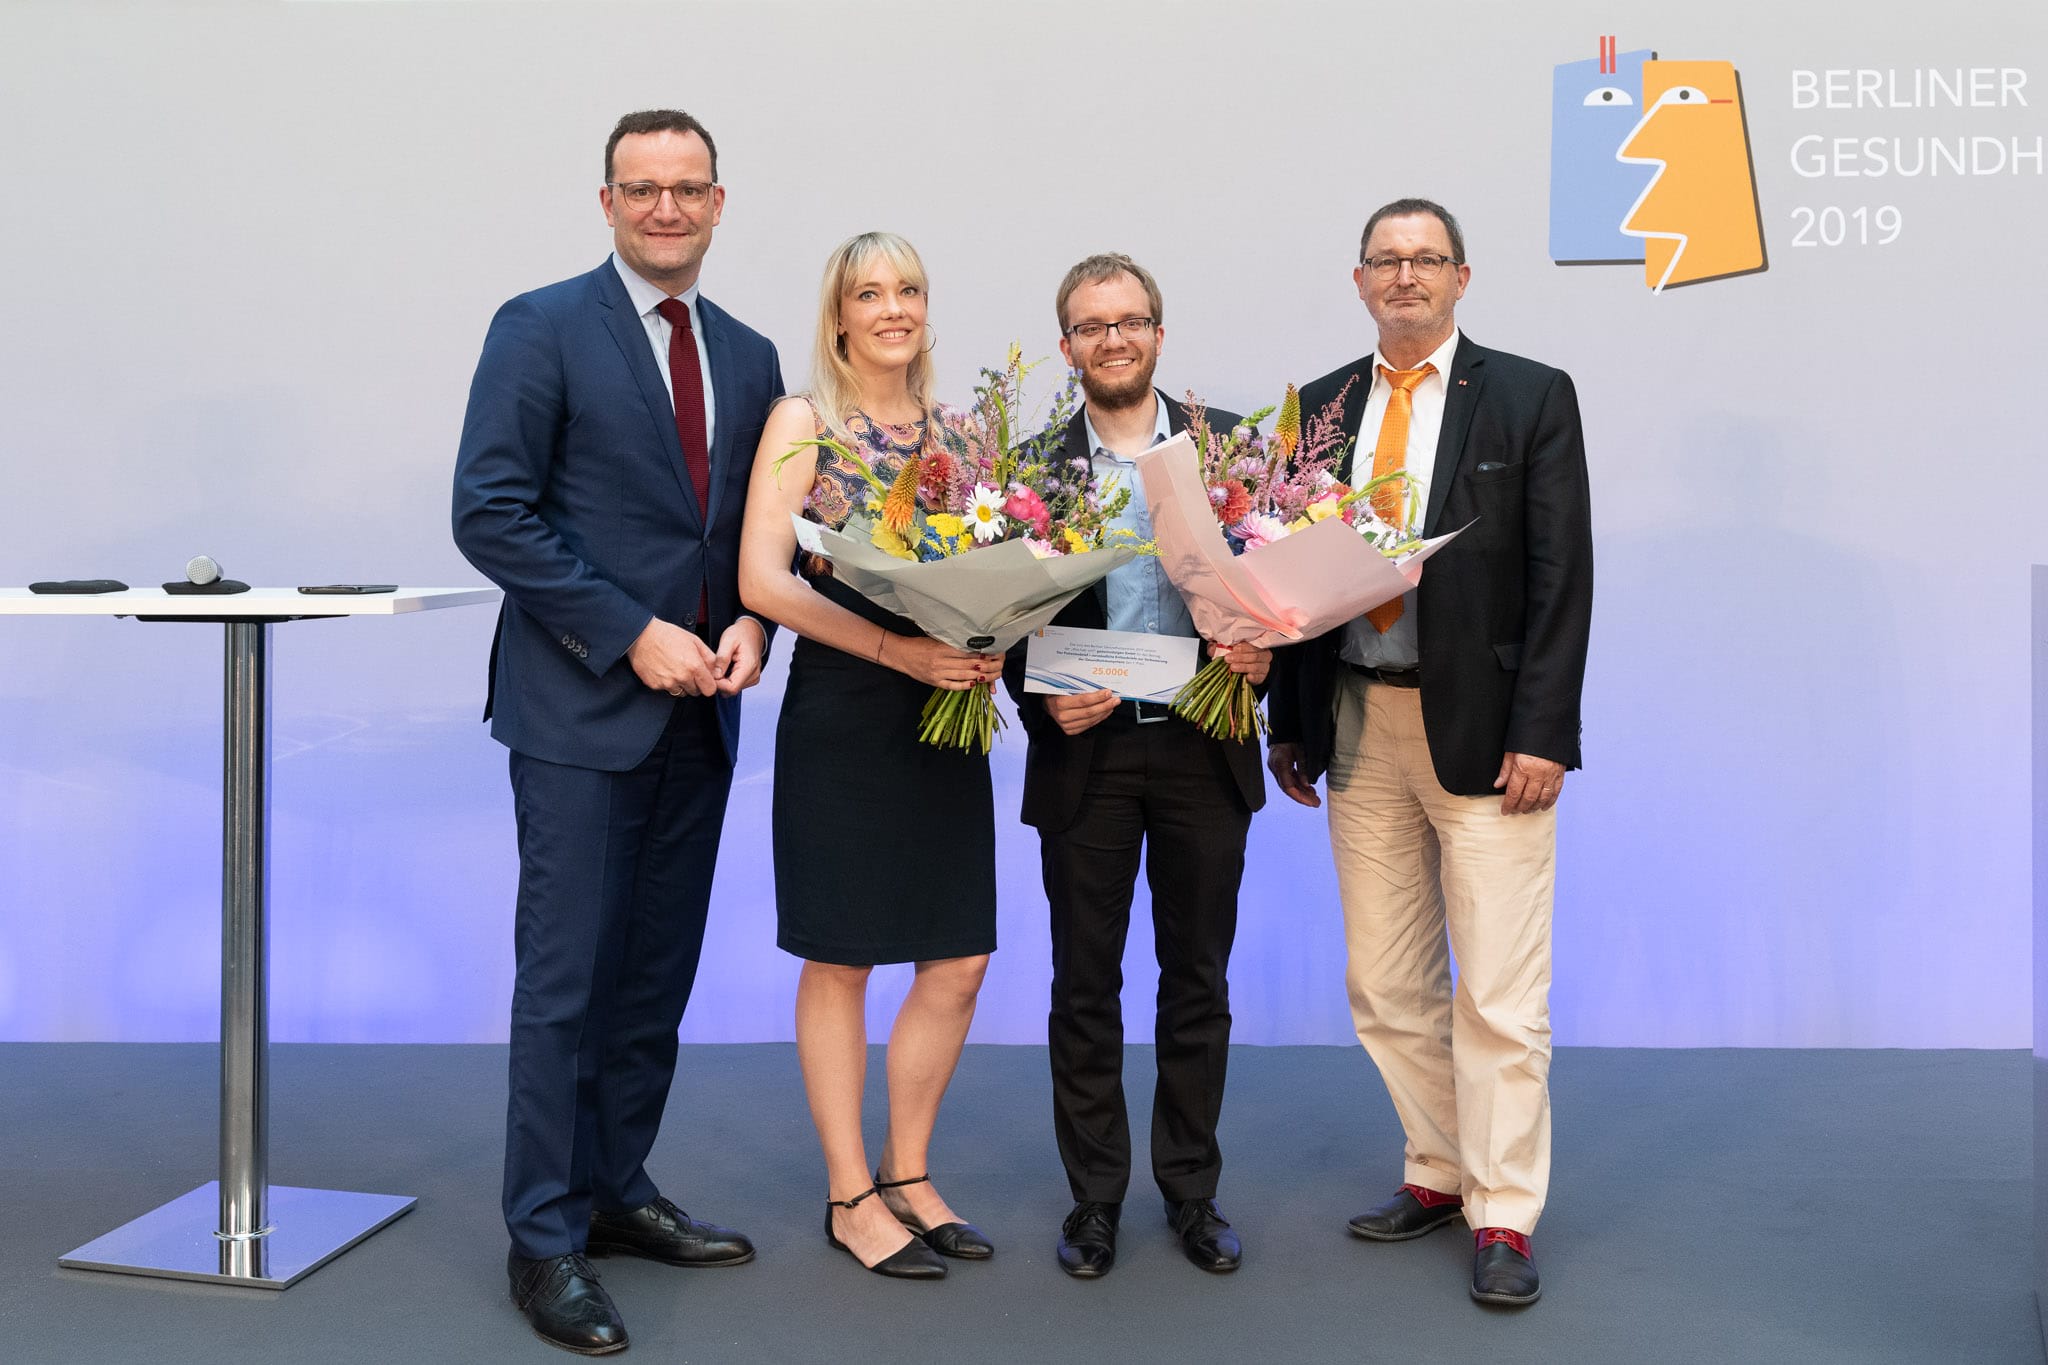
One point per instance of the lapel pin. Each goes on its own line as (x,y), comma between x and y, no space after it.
(1461,383)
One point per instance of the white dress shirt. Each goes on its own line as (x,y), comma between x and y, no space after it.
(1398,648)
(648,297)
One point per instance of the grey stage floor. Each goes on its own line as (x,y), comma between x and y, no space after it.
(1707,1206)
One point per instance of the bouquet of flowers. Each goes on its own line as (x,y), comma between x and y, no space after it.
(981,539)
(1239,521)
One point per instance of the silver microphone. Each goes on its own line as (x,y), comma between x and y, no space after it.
(202,570)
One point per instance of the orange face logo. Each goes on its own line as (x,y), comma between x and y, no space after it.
(1698,218)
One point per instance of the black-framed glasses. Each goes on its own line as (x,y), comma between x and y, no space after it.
(1426,266)
(642,195)
(1131,329)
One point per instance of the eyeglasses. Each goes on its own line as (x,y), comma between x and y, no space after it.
(1132,329)
(1427,266)
(642,195)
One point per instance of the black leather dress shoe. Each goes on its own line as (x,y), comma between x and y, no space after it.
(662,1232)
(962,1241)
(1205,1237)
(1503,1275)
(565,1304)
(1088,1239)
(1402,1217)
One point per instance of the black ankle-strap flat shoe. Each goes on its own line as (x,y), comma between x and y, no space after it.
(911,1261)
(962,1241)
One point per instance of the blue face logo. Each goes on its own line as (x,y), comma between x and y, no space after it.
(1594,104)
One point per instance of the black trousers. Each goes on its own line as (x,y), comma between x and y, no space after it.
(1159,791)
(614,887)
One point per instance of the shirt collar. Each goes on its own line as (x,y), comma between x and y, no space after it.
(1161,429)
(647,297)
(1441,358)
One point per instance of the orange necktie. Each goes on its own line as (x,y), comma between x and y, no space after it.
(1390,501)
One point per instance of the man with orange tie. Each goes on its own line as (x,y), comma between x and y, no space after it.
(1446,721)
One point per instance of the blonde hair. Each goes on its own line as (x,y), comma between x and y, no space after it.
(835,386)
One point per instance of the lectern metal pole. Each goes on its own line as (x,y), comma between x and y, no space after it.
(240,1229)
(245,937)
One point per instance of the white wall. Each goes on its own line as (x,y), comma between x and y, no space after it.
(251,250)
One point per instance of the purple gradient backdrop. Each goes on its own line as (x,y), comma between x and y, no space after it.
(1816,490)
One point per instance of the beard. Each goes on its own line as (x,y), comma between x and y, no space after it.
(1115,390)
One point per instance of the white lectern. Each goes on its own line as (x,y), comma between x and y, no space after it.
(238,1229)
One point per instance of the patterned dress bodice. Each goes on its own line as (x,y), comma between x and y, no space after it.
(839,490)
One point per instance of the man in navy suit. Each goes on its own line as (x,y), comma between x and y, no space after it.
(602,473)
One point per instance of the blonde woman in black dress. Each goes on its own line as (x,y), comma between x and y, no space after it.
(884,846)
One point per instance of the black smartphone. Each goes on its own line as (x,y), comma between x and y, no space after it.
(348,589)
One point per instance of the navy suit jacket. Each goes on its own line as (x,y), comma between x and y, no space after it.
(1506,609)
(571,494)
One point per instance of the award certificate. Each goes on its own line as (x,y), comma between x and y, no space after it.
(1070,659)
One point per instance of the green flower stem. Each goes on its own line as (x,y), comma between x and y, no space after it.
(962,720)
(1220,703)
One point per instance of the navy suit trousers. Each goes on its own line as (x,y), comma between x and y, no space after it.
(614,886)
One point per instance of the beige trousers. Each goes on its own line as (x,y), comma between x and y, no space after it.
(1468,1071)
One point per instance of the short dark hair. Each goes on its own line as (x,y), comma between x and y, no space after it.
(658,121)
(1402,208)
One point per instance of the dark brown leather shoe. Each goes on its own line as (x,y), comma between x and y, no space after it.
(1204,1234)
(1404,1216)
(662,1232)
(1503,1270)
(565,1304)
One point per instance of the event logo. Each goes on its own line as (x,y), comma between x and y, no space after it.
(1649,162)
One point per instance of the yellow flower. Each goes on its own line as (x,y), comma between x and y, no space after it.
(946,524)
(1322,509)
(1075,543)
(1299,524)
(891,542)
(899,508)
(1287,431)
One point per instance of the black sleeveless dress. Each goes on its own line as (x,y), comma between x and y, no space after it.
(884,845)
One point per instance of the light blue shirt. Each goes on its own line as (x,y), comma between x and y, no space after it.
(1138,597)
(646,298)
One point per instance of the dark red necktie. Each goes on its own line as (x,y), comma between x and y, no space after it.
(686,382)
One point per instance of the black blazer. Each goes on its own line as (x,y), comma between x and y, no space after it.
(1056,765)
(1505,610)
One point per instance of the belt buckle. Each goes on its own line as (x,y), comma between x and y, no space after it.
(1161,711)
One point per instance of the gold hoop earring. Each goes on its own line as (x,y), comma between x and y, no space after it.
(931,338)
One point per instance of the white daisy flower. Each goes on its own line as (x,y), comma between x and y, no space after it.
(985,513)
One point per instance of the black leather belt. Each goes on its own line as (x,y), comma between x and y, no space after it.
(1142,712)
(1392,677)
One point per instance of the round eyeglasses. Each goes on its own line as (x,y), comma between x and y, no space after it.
(642,195)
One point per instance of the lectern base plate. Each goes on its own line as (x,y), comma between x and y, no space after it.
(309,1229)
